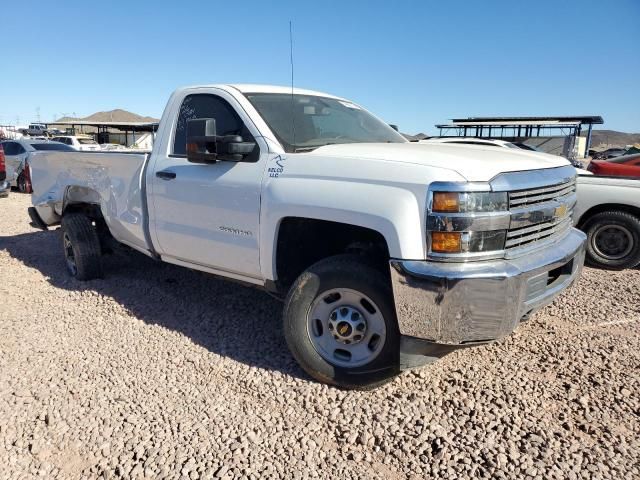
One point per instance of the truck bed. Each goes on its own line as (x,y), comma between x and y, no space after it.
(596,191)
(632,182)
(113,180)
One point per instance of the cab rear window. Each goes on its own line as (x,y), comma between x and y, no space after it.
(52,146)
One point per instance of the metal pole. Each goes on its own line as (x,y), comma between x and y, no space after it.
(588,145)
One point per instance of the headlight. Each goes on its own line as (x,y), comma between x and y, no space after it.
(467,242)
(446,242)
(469,202)
(460,224)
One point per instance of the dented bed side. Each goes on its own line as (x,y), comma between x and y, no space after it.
(111,181)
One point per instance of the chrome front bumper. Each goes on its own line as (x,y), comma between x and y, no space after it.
(475,302)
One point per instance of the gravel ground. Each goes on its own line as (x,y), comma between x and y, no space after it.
(161,372)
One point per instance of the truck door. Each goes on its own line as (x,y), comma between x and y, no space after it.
(207,214)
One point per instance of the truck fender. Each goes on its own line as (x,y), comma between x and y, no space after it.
(75,194)
(396,213)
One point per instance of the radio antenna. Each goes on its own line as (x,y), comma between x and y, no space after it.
(293,123)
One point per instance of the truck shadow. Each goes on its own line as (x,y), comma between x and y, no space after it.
(242,323)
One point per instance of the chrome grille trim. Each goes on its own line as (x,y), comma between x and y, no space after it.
(518,232)
(525,236)
(539,213)
(535,191)
(520,198)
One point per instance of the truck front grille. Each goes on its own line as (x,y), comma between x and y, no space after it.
(558,199)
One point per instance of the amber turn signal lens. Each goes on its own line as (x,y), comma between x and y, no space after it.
(446,242)
(446,202)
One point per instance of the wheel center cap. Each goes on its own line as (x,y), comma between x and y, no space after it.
(347,325)
(344,329)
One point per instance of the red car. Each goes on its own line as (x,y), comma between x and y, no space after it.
(624,166)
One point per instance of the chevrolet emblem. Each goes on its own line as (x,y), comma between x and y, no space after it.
(560,211)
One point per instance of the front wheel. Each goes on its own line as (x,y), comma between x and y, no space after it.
(613,240)
(340,323)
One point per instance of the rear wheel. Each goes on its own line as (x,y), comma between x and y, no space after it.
(613,240)
(24,184)
(340,323)
(81,247)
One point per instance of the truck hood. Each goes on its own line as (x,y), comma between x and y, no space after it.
(474,163)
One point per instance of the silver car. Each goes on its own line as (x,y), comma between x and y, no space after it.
(17,152)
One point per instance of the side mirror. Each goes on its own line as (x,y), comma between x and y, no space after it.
(201,140)
(395,127)
(204,146)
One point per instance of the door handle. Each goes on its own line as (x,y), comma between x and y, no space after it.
(166,175)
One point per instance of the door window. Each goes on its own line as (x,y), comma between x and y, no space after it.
(209,106)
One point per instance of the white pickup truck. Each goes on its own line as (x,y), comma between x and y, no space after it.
(608,211)
(389,254)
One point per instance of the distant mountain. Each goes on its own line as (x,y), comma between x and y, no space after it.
(613,139)
(67,119)
(117,115)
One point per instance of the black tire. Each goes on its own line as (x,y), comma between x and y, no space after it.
(81,247)
(358,275)
(24,186)
(621,246)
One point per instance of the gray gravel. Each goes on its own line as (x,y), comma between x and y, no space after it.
(161,372)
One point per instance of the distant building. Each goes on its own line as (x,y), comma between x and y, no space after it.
(566,136)
(115,126)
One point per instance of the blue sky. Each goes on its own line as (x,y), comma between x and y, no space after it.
(412,63)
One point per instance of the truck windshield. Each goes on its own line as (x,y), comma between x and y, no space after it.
(305,122)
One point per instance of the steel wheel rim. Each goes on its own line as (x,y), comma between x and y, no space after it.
(612,242)
(335,327)
(69,256)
